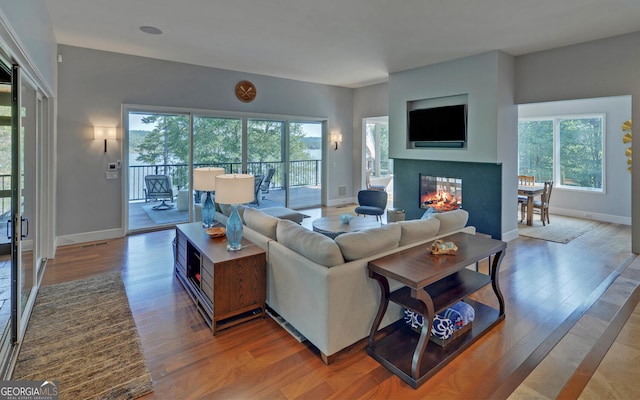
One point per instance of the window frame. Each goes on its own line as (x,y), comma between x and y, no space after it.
(556,161)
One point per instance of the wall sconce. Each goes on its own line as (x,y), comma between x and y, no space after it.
(104,132)
(335,137)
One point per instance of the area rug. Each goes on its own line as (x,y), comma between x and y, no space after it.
(83,335)
(165,216)
(561,229)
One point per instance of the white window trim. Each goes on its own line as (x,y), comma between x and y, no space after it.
(556,149)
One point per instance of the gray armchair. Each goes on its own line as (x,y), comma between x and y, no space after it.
(371,202)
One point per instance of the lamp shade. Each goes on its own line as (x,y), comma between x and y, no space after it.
(205,178)
(335,137)
(104,132)
(234,188)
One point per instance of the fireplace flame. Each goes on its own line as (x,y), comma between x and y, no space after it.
(441,201)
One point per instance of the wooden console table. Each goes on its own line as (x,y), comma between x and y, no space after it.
(433,283)
(228,287)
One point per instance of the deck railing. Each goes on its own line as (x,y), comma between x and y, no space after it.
(5,197)
(301,173)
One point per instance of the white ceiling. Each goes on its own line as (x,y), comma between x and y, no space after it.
(350,43)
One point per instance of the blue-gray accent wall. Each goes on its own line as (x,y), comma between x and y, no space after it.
(481,190)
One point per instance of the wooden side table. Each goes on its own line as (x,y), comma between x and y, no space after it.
(431,284)
(228,287)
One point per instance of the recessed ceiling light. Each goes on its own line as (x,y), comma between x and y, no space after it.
(151,30)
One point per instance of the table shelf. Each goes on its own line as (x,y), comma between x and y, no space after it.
(432,284)
(444,292)
(395,351)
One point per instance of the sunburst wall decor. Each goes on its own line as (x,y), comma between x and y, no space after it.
(626,128)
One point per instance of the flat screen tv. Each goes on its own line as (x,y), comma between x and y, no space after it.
(444,126)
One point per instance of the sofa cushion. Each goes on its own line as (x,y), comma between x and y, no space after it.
(261,222)
(313,245)
(418,229)
(284,213)
(357,245)
(451,220)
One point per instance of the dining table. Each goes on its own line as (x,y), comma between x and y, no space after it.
(531,192)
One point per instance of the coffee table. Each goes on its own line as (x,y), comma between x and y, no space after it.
(332,226)
(431,284)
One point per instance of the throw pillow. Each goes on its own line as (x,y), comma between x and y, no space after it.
(451,220)
(418,229)
(312,245)
(357,245)
(260,222)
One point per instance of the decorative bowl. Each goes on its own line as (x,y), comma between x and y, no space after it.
(345,218)
(216,232)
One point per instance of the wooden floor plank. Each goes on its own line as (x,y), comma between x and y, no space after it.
(543,284)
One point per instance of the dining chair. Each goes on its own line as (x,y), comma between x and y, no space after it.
(543,204)
(524,180)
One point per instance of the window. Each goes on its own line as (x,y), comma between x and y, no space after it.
(565,149)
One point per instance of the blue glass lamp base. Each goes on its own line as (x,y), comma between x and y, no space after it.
(208,212)
(234,230)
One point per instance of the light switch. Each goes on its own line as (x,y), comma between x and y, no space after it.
(112,174)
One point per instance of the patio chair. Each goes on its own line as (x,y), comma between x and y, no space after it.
(257,184)
(158,187)
(266,182)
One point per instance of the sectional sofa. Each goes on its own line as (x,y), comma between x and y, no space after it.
(321,286)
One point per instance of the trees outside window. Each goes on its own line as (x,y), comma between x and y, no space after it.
(567,150)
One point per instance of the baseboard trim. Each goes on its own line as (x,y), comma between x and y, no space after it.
(509,236)
(77,238)
(614,219)
(340,202)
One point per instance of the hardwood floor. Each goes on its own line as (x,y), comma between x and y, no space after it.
(545,284)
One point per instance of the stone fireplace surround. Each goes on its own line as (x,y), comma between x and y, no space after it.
(481,190)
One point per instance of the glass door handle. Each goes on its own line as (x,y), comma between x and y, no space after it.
(22,221)
(9,229)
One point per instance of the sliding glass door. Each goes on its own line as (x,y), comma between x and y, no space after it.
(6,215)
(158,148)
(305,164)
(265,160)
(285,155)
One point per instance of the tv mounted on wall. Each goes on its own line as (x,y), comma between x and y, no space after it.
(444,126)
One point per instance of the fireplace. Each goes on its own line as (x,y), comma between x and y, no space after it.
(439,193)
(482,190)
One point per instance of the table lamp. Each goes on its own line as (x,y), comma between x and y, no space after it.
(204,179)
(234,189)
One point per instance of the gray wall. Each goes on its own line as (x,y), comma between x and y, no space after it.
(601,68)
(487,80)
(614,205)
(368,102)
(95,84)
(30,22)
